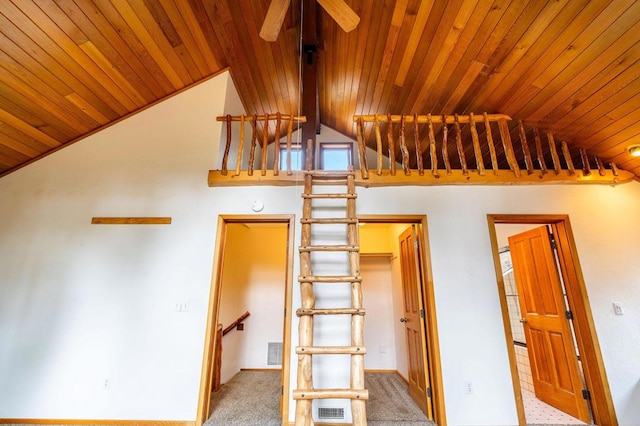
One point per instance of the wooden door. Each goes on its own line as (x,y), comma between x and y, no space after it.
(414,321)
(552,353)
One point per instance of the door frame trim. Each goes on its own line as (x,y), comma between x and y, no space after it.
(214,309)
(428,296)
(583,324)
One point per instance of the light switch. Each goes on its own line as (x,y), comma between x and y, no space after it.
(617,308)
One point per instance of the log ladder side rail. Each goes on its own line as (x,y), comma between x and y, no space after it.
(265,121)
(305,392)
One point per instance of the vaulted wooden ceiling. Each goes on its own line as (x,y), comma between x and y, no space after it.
(71,67)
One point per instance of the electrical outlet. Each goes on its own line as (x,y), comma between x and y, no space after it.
(106,384)
(468,388)
(617,308)
(382,349)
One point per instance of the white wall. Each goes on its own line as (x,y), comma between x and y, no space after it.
(80,303)
(377,291)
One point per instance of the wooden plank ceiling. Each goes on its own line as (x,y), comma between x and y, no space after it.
(71,67)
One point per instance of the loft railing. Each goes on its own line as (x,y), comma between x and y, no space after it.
(489,141)
(265,121)
(418,149)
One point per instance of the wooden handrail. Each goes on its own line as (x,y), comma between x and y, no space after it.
(235,323)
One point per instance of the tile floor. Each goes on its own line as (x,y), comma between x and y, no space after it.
(539,413)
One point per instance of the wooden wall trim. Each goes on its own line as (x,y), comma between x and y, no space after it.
(131,221)
(98,422)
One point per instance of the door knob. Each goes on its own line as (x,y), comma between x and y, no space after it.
(523,320)
(403,320)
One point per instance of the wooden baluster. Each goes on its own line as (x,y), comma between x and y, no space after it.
(525,148)
(392,147)
(614,169)
(476,145)
(601,170)
(508,147)
(586,167)
(309,154)
(539,153)
(265,145)
(416,142)
(432,147)
(225,156)
(492,147)
(218,359)
(567,158)
(276,147)
(554,153)
(378,143)
(240,146)
(364,167)
(445,147)
(254,143)
(403,147)
(460,148)
(289,133)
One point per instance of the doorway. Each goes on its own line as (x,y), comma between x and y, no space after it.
(553,351)
(402,336)
(249,278)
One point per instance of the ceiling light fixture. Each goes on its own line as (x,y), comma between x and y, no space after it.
(634,150)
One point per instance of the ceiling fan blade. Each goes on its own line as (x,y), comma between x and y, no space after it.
(273,21)
(341,13)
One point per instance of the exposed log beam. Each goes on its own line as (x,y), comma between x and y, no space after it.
(309,60)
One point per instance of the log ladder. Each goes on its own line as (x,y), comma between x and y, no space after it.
(305,392)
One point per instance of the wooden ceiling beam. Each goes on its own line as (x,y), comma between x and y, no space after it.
(309,58)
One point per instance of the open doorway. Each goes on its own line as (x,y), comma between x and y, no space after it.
(553,350)
(401,339)
(251,299)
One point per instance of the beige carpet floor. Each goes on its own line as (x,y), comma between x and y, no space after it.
(250,398)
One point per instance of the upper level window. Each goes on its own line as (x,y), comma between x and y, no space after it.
(335,156)
(296,157)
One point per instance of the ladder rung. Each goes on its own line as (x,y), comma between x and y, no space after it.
(329,196)
(330,279)
(329,248)
(330,311)
(329,173)
(328,220)
(331,393)
(331,350)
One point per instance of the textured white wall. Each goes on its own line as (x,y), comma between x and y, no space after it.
(80,303)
